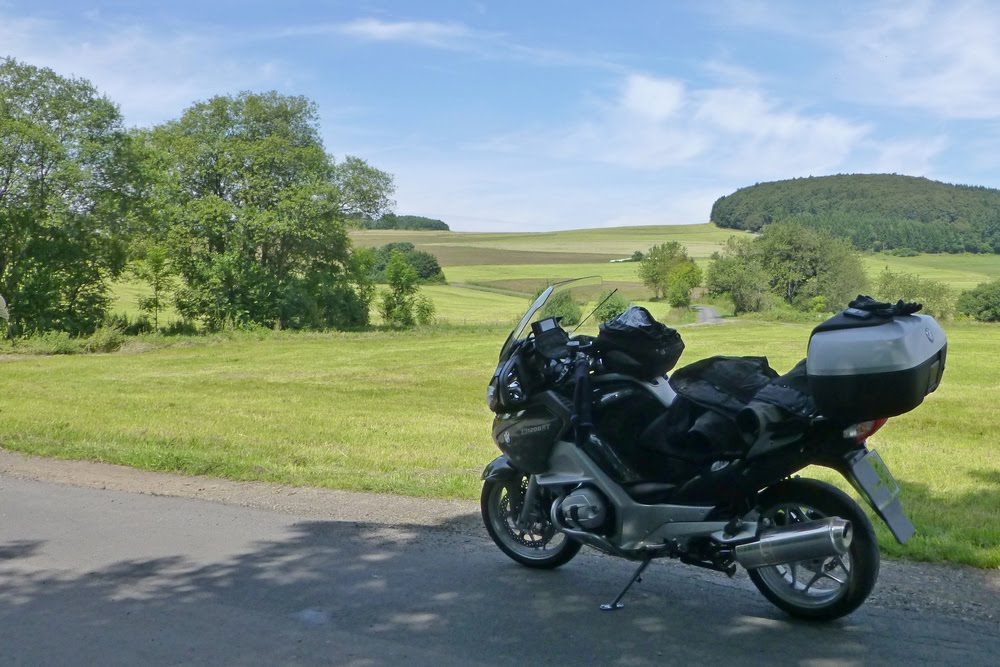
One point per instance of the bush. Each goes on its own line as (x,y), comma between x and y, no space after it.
(107,338)
(50,342)
(981,302)
(614,305)
(937,298)
(562,305)
(423,310)
(136,327)
(180,328)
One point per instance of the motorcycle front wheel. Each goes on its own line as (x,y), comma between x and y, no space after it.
(538,545)
(820,589)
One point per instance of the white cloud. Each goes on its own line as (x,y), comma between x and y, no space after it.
(652,98)
(152,76)
(657,123)
(913,157)
(427,33)
(939,57)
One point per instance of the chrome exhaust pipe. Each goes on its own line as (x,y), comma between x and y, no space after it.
(803,541)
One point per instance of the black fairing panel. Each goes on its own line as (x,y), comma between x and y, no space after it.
(528,435)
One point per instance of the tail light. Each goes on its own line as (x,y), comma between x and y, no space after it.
(861,432)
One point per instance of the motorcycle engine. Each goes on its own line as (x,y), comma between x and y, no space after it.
(584,509)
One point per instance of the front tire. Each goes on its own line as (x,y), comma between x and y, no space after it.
(540,545)
(819,589)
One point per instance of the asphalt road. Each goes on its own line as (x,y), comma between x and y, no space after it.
(105,577)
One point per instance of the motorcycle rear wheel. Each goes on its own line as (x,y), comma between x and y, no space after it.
(539,546)
(819,589)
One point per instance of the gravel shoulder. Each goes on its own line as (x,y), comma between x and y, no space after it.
(951,590)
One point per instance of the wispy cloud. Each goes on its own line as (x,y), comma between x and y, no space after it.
(153,76)
(451,36)
(943,58)
(656,123)
(428,33)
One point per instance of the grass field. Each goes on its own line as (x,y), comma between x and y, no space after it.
(700,240)
(404,413)
(527,259)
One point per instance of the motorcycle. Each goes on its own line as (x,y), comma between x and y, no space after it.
(600,447)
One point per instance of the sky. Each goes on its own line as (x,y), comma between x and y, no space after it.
(530,116)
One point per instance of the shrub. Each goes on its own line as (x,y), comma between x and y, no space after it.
(423,310)
(107,338)
(612,304)
(937,298)
(562,305)
(50,342)
(180,328)
(981,302)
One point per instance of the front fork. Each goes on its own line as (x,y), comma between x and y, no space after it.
(501,470)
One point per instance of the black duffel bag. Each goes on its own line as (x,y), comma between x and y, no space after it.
(636,344)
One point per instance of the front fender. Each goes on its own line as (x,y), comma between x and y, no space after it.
(498,469)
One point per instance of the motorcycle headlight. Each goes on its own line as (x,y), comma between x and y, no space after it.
(512,385)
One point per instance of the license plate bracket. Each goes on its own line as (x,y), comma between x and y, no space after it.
(869,474)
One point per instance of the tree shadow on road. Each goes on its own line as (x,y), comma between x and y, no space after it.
(367,594)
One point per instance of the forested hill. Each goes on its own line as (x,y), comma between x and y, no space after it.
(874,211)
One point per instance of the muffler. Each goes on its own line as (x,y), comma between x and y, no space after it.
(803,541)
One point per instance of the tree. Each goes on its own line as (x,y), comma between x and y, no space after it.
(256,214)
(65,188)
(424,263)
(611,304)
(563,305)
(805,267)
(397,303)
(981,302)
(804,263)
(415,222)
(937,298)
(737,271)
(152,268)
(666,267)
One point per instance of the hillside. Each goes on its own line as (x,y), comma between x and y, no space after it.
(874,211)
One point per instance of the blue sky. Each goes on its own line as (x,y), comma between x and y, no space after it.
(558,115)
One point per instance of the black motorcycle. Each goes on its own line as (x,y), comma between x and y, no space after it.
(600,448)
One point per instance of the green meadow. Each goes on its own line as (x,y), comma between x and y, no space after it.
(403,412)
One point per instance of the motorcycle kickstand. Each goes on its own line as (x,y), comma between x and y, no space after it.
(617,603)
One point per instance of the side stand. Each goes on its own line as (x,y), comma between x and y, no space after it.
(617,603)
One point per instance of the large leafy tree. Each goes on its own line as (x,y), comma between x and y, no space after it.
(667,270)
(807,268)
(982,302)
(256,214)
(737,271)
(66,184)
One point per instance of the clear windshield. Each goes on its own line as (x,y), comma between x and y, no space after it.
(581,290)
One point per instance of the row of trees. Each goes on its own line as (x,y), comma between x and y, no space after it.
(874,211)
(411,222)
(237,201)
(810,269)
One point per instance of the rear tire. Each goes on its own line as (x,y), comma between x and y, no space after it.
(818,589)
(541,545)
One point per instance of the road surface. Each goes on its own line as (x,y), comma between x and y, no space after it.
(308,577)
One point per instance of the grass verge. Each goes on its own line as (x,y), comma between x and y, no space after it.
(404,413)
